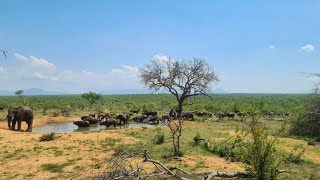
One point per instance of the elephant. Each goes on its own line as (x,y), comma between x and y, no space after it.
(10,115)
(22,113)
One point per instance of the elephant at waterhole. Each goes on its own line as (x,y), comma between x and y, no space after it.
(19,114)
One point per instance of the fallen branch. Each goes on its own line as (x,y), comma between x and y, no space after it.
(121,168)
(228,175)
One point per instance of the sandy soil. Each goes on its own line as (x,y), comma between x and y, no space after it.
(41,121)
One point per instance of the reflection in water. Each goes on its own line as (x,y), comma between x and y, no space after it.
(70,127)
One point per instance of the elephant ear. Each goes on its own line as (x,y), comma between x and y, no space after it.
(15,110)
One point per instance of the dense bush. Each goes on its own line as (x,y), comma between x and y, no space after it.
(277,103)
(308,123)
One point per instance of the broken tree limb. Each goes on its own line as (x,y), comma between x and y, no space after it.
(228,175)
(121,168)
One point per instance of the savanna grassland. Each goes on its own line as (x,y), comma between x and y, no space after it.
(82,155)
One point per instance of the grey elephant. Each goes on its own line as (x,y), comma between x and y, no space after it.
(21,113)
(10,115)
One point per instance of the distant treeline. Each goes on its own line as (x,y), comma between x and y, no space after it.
(277,103)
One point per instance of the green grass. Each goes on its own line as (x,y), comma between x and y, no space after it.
(107,142)
(9,155)
(54,168)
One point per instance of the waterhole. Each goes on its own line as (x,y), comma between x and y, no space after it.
(70,127)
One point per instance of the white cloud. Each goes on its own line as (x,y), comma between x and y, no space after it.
(34,72)
(21,57)
(125,69)
(42,63)
(39,75)
(123,77)
(87,72)
(36,62)
(42,76)
(308,48)
(3,71)
(271,46)
(161,58)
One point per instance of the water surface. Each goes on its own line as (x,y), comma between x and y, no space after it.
(70,127)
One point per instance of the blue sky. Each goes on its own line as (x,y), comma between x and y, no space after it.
(77,46)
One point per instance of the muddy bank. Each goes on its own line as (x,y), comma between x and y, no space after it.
(42,121)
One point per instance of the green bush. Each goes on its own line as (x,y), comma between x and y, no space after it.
(260,154)
(196,138)
(159,137)
(306,124)
(54,168)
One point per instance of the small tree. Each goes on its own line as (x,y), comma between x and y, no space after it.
(91,97)
(261,155)
(176,133)
(21,99)
(182,78)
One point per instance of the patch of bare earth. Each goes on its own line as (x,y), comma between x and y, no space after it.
(81,154)
(288,145)
(42,121)
(210,163)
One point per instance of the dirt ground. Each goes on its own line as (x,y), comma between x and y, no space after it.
(79,155)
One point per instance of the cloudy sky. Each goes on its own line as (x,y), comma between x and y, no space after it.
(76,46)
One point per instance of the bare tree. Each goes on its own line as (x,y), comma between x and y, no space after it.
(4,53)
(176,133)
(182,78)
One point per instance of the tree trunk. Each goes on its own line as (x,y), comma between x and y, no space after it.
(181,101)
(174,144)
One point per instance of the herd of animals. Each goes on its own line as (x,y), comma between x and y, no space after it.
(153,118)
(111,119)
(18,114)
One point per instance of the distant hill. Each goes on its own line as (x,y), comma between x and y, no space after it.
(31,92)
(6,93)
(219,91)
(36,91)
(126,91)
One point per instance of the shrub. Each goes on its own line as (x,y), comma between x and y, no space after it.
(55,168)
(197,138)
(308,123)
(47,137)
(159,137)
(260,154)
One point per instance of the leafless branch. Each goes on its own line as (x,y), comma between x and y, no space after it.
(119,170)
(4,53)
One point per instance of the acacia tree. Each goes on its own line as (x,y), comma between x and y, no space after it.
(182,78)
(91,97)
(20,97)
